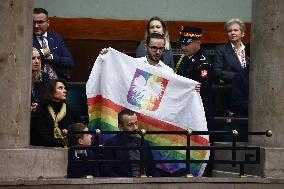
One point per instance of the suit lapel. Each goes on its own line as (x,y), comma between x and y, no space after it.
(50,41)
(36,42)
(233,58)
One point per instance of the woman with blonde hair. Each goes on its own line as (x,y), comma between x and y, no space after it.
(232,57)
(157,25)
(39,78)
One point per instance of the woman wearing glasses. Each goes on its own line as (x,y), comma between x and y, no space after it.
(157,25)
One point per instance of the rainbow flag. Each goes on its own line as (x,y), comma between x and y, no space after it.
(163,101)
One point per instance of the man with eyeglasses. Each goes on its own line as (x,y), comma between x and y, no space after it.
(154,47)
(54,55)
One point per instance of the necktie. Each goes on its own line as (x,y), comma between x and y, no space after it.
(43,43)
(47,67)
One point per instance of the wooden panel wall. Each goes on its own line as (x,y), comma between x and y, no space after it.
(132,30)
(85,37)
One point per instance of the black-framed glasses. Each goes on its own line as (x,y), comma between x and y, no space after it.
(155,49)
(39,22)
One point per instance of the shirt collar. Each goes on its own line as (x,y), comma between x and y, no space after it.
(80,152)
(44,35)
(242,46)
(159,64)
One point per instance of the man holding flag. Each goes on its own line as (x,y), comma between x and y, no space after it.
(155,47)
(162,100)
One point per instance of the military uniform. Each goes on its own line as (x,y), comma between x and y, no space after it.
(199,69)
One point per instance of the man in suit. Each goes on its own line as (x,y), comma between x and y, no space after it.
(55,56)
(127,121)
(194,64)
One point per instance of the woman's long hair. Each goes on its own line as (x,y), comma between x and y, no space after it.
(165,29)
(36,75)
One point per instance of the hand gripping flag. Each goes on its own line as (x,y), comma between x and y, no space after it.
(162,100)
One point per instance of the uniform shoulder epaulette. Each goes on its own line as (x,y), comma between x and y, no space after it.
(202,57)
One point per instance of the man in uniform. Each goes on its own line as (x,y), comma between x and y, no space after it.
(193,64)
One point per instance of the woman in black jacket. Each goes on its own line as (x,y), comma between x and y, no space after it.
(52,116)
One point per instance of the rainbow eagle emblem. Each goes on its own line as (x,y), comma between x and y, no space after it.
(149,93)
(146,90)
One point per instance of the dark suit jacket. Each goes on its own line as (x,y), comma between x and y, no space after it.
(42,131)
(79,165)
(240,92)
(199,68)
(124,169)
(61,56)
(38,87)
(226,62)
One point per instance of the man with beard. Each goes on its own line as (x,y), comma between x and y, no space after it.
(154,47)
(127,121)
(54,55)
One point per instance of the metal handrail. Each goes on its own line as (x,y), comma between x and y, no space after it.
(234,148)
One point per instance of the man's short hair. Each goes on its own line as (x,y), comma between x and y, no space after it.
(122,113)
(40,10)
(73,138)
(154,36)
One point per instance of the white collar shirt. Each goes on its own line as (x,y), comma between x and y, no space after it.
(160,65)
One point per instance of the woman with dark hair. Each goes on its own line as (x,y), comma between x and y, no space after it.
(53,115)
(157,25)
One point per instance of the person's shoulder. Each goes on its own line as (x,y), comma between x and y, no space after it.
(223,46)
(201,54)
(53,35)
(166,67)
(142,43)
(112,140)
(143,58)
(146,143)
(42,110)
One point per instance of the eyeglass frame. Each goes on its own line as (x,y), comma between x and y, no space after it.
(39,22)
(155,49)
